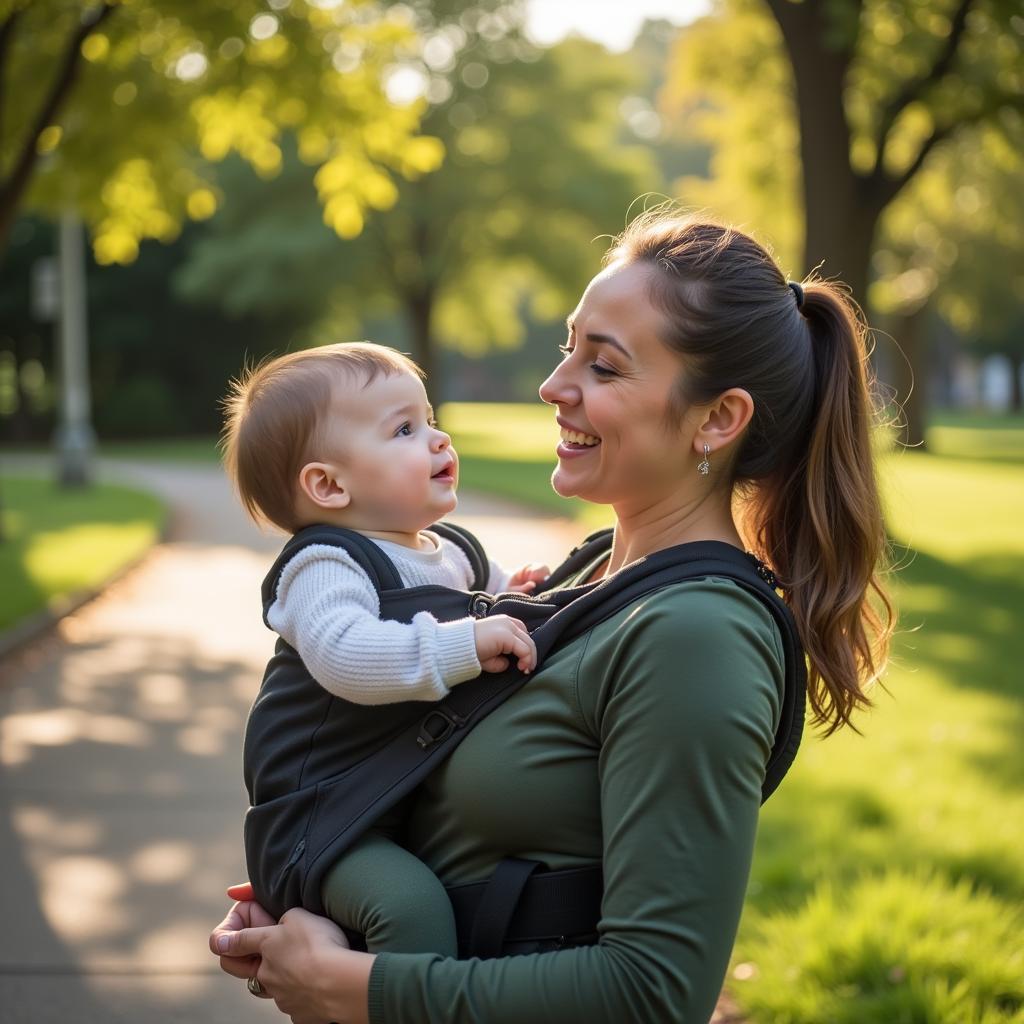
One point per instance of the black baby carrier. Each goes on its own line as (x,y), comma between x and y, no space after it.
(327,769)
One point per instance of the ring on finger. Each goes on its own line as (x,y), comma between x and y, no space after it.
(254,986)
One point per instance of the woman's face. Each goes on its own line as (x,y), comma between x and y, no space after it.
(612,392)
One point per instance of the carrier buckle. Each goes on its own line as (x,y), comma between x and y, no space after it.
(438,726)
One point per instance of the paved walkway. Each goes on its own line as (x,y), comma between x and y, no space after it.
(120,783)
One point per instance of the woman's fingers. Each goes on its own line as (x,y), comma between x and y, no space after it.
(242,967)
(247,942)
(238,918)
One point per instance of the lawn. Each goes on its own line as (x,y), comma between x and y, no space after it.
(59,542)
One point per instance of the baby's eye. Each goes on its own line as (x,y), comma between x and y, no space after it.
(404,430)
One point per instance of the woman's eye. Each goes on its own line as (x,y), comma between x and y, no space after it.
(602,371)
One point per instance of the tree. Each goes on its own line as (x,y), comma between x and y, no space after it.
(874,89)
(534,172)
(119,107)
(953,244)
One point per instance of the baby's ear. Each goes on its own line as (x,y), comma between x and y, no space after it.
(322,484)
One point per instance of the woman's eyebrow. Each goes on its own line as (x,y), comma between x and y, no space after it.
(606,339)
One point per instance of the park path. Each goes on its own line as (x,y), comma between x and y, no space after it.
(121,798)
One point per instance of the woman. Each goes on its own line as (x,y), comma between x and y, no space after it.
(696,384)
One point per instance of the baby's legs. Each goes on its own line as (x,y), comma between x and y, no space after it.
(396,901)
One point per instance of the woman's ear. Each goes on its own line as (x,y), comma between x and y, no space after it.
(724,420)
(322,484)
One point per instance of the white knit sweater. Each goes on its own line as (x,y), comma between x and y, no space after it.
(327,609)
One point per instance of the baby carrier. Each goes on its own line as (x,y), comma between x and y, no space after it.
(328,769)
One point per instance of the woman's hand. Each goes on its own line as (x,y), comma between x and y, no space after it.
(303,963)
(244,914)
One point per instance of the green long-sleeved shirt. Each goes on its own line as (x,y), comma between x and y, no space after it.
(641,744)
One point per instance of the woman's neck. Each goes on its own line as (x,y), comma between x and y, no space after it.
(641,530)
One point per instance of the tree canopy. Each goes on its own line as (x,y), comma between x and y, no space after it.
(119,109)
(535,170)
(855,100)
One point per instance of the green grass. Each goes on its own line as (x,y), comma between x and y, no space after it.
(175,449)
(888,882)
(893,861)
(184,449)
(57,542)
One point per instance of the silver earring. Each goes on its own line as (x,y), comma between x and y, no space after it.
(705,467)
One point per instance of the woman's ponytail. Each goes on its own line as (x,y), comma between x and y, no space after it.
(819,518)
(804,472)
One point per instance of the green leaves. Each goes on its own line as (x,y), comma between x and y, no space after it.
(163,90)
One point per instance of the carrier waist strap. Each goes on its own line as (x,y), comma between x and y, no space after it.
(523,903)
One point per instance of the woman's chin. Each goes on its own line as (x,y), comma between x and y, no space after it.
(563,487)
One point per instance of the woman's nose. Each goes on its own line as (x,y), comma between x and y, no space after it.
(558,389)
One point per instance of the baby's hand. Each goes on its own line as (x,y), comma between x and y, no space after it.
(525,580)
(502,635)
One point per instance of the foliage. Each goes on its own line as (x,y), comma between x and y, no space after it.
(959,231)
(158,366)
(919,76)
(754,184)
(59,542)
(132,100)
(534,172)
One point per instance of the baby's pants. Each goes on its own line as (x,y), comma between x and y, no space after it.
(380,889)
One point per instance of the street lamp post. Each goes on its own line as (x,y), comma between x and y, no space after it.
(75,438)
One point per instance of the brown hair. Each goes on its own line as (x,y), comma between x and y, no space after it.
(272,412)
(803,471)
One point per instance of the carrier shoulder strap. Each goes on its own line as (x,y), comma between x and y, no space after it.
(367,555)
(470,547)
(597,543)
(370,557)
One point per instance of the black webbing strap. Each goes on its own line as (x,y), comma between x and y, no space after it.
(497,905)
(367,555)
(596,543)
(553,906)
(470,547)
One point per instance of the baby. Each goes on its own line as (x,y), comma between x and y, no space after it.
(344,435)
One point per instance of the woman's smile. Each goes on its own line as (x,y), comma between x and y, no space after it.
(574,442)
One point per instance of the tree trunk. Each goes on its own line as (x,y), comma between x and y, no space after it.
(19,176)
(840,220)
(910,374)
(419,311)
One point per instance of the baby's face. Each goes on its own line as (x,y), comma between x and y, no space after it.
(399,469)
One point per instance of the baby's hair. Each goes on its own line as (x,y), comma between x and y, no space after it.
(272,413)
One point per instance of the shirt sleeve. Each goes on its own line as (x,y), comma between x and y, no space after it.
(686,694)
(328,610)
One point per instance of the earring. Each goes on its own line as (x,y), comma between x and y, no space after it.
(705,467)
